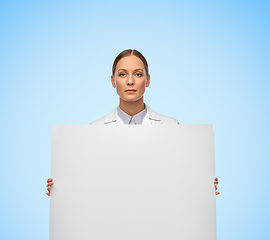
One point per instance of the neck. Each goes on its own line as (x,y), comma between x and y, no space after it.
(132,108)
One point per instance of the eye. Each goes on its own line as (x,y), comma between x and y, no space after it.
(122,74)
(138,74)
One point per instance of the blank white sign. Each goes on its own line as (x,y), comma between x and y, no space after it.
(133,182)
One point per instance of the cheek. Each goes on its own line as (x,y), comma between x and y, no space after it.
(118,83)
(142,84)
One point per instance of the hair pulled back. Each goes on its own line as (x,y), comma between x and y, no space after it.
(126,53)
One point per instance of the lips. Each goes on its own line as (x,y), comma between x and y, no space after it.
(130,90)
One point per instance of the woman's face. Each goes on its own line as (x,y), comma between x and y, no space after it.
(130,78)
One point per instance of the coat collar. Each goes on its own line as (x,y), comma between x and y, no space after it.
(151,117)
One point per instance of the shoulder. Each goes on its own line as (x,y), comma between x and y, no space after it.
(99,121)
(167,120)
(110,118)
(158,118)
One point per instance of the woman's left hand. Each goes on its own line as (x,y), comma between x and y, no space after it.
(216,185)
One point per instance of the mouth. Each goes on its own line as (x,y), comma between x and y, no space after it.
(130,91)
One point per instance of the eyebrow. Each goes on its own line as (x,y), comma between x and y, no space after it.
(134,69)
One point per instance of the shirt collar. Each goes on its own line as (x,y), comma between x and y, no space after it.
(150,116)
(127,118)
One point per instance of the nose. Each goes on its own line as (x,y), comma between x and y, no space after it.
(130,80)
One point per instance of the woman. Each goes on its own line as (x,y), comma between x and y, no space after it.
(130,77)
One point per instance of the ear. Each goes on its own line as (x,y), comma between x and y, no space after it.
(113,82)
(148,81)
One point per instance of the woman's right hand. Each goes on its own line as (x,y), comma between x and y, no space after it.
(50,183)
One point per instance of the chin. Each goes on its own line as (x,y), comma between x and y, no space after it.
(131,99)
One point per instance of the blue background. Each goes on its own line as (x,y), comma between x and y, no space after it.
(209,64)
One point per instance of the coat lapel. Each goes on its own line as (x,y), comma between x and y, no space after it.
(113,118)
(151,117)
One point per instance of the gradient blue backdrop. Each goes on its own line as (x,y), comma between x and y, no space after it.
(209,63)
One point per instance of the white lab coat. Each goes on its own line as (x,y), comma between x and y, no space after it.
(151,117)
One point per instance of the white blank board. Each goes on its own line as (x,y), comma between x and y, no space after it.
(133,182)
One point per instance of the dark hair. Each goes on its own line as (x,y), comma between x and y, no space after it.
(130,52)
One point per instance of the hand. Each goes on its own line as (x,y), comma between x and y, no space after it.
(216,187)
(50,183)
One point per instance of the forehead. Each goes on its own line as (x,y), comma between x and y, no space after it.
(129,63)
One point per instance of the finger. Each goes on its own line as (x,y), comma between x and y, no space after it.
(49,189)
(48,194)
(216,179)
(50,180)
(217,193)
(216,187)
(50,184)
